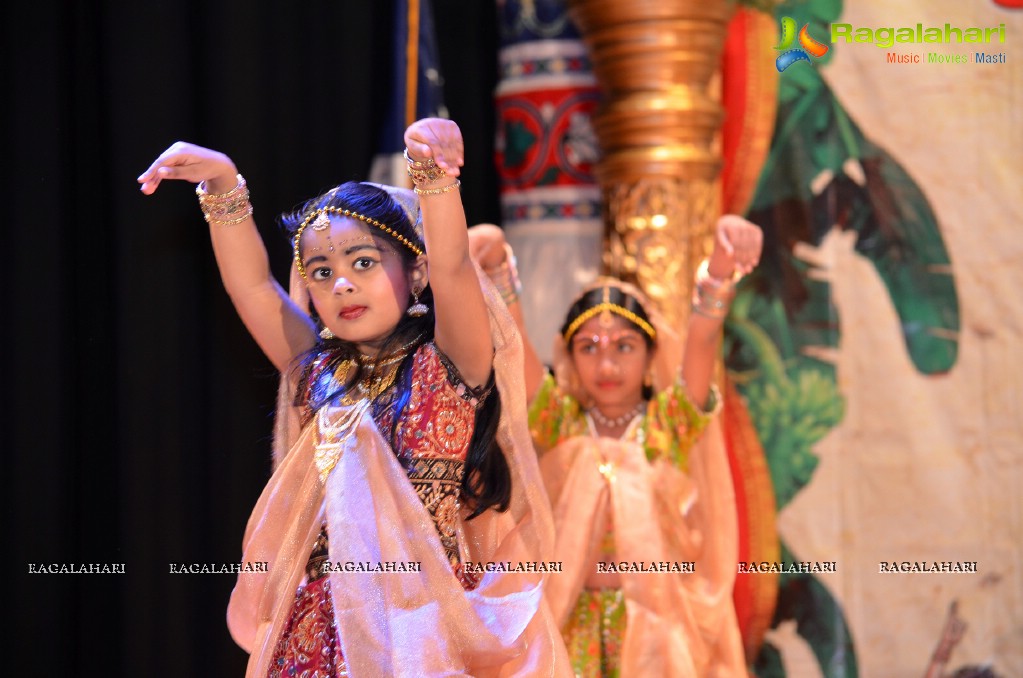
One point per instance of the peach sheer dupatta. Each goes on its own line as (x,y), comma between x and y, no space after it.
(678,624)
(403,623)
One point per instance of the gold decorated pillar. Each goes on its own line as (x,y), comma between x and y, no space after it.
(658,128)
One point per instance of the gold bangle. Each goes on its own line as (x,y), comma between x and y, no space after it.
(225,209)
(438,191)
(206,196)
(247,212)
(505,277)
(423,171)
(706,280)
(716,309)
(425,176)
(418,164)
(712,297)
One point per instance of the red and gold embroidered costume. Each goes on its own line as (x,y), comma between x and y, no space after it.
(384,508)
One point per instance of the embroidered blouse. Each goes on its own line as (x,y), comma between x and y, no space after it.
(433,432)
(668,429)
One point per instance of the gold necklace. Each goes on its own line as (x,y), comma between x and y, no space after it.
(399,355)
(368,387)
(372,384)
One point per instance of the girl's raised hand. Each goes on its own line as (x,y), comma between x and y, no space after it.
(439,139)
(486,246)
(188,162)
(738,244)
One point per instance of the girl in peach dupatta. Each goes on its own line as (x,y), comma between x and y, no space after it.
(635,468)
(402,460)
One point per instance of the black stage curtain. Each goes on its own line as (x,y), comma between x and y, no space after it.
(137,410)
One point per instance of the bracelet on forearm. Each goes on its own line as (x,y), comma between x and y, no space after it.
(437,191)
(423,171)
(228,208)
(712,296)
(506,277)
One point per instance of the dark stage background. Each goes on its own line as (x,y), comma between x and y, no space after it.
(137,410)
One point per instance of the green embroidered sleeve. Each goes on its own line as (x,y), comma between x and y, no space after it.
(554,416)
(674,424)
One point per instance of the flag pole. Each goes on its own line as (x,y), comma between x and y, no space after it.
(412,62)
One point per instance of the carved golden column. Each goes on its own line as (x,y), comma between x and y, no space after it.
(658,126)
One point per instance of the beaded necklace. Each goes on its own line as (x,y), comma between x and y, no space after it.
(617,422)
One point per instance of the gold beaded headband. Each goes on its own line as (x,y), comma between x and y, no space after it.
(608,307)
(320,219)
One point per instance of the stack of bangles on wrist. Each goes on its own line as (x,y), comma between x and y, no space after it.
(712,296)
(427,172)
(228,208)
(506,277)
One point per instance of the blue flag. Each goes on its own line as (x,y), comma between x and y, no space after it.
(415,61)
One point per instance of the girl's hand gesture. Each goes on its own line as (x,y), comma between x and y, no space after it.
(738,244)
(188,162)
(439,139)
(486,246)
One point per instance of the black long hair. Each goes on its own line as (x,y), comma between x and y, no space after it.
(486,479)
(619,297)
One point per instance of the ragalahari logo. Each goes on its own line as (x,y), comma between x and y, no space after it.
(807,45)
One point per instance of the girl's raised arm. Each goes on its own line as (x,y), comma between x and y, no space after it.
(462,329)
(737,247)
(490,250)
(280,328)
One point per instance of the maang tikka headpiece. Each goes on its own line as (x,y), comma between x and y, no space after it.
(319,219)
(604,309)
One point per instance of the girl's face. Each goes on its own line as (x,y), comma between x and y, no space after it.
(611,358)
(357,282)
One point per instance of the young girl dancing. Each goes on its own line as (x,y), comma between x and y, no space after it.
(636,471)
(402,459)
